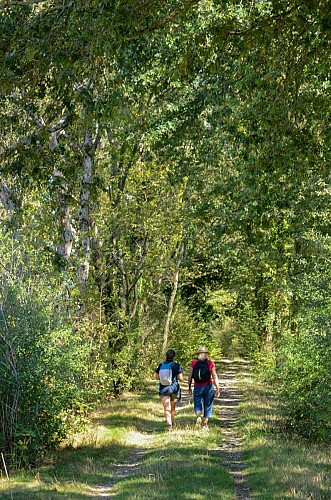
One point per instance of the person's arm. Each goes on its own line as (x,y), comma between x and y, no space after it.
(216,381)
(157,376)
(179,371)
(190,380)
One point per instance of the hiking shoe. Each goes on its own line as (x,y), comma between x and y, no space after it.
(205,427)
(169,428)
(198,423)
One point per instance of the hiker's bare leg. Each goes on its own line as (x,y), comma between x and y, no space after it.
(198,420)
(167,409)
(173,411)
(205,420)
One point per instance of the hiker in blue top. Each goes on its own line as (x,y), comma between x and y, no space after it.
(168,373)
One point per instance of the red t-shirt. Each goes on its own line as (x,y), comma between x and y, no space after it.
(211,366)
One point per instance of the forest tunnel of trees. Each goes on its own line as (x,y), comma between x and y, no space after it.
(164,181)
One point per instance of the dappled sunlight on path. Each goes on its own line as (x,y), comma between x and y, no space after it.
(229,450)
(231,446)
(120,471)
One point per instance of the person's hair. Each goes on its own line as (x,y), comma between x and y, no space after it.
(170,354)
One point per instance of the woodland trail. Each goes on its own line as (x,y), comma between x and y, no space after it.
(121,471)
(229,450)
(230,398)
(231,446)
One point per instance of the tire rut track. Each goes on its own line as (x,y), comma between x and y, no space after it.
(230,449)
(120,472)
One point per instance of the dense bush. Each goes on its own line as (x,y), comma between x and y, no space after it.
(304,378)
(49,374)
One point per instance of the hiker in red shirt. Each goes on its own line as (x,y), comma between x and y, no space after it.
(203,372)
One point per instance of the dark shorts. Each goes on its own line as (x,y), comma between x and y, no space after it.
(173,397)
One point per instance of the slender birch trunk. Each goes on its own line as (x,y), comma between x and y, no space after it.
(88,148)
(66,229)
(175,280)
(6,197)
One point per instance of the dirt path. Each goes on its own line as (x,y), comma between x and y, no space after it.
(231,447)
(120,472)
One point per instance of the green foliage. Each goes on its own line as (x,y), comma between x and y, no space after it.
(188,334)
(278,465)
(304,378)
(299,367)
(126,364)
(240,335)
(209,126)
(50,374)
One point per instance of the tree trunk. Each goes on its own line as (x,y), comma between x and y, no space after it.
(66,229)
(88,149)
(175,280)
(6,198)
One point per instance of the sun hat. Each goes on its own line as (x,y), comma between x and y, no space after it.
(202,349)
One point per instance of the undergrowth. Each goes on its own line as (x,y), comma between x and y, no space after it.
(279,466)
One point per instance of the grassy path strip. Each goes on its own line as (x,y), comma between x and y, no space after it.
(121,471)
(279,467)
(127,454)
(182,464)
(231,397)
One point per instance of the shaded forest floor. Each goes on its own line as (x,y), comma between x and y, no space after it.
(126,452)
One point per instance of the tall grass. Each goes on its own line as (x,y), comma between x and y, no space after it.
(279,466)
(183,464)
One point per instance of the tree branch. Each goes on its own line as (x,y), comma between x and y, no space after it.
(163,21)
(264,21)
(19,3)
